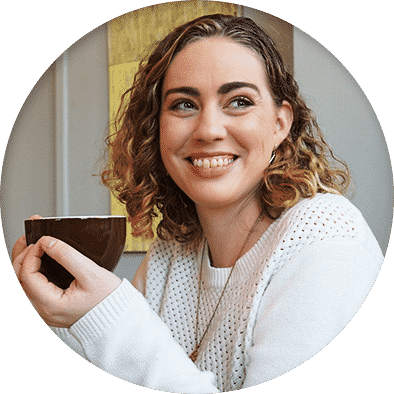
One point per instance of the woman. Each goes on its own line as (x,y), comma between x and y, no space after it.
(259,261)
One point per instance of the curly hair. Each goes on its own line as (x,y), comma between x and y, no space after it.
(303,165)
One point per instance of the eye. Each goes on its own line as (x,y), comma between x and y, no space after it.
(183,106)
(240,103)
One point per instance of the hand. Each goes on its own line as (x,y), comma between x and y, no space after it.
(57,307)
(21,245)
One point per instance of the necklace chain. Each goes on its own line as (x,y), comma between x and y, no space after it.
(194,354)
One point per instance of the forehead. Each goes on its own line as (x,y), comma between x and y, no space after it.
(214,61)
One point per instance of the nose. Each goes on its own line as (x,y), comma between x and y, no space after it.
(210,126)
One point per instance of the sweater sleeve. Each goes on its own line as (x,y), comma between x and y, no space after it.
(124,337)
(64,334)
(308,302)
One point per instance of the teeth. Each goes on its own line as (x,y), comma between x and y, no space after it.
(207,163)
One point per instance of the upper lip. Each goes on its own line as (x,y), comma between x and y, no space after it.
(201,155)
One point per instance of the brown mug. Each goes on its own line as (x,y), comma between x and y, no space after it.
(100,238)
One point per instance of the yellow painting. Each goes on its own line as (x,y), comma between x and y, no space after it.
(129,38)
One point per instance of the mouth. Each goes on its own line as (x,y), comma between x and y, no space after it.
(212,162)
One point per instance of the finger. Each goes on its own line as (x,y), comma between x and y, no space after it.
(82,268)
(18,261)
(35,217)
(44,295)
(19,246)
(33,281)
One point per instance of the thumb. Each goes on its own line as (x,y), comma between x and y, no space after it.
(82,268)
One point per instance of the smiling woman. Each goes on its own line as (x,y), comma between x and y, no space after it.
(301,166)
(219,122)
(259,262)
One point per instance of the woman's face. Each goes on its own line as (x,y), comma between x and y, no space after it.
(218,122)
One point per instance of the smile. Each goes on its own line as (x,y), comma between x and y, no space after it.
(212,162)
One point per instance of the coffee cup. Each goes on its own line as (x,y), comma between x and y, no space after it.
(100,238)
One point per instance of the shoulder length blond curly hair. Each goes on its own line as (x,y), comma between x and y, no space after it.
(303,165)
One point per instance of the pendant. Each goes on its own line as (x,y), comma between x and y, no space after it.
(194,354)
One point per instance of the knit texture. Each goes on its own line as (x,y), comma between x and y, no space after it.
(288,297)
(172,282)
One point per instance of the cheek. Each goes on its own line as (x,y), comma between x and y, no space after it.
(262,131)
(169,145)
(174,134)
(166,136)
(254,133)
(165,150)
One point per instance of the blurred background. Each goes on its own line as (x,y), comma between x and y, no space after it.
(57,141)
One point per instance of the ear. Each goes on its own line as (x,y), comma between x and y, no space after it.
(284,121)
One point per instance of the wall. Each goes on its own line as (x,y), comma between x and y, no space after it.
(28,177)
(57,144)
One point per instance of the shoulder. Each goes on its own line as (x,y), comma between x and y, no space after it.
(164,257)
(156,261)
(328,213)
(327,217)
(326,204)
(325,244)
(163,252)
(167,264)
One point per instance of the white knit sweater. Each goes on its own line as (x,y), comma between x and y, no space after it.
(288,297)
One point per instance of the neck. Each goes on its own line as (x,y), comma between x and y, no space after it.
(227,229)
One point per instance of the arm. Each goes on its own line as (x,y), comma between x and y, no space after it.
(111,320)
(64,334)
(308,302)
(124,337)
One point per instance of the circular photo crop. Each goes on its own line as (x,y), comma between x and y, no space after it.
(256,182)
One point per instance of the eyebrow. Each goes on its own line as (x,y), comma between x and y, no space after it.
(224,89)
(228,87)
(183,89)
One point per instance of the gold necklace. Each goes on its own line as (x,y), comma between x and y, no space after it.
(194,354)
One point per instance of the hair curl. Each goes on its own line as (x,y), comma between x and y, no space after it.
(303,165)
